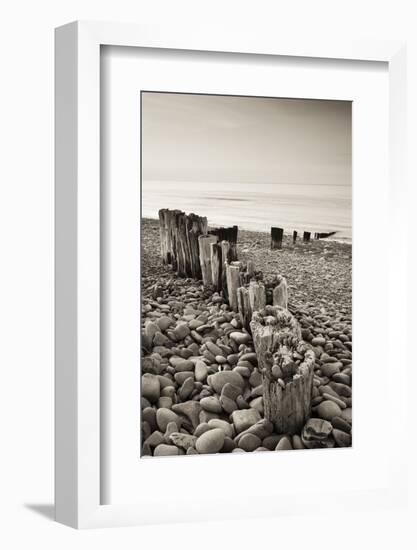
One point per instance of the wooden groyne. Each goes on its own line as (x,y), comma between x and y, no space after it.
(324,235)
(186,245)
(228,234)
(277,237)
(277,234)
(285,364)
(179,234)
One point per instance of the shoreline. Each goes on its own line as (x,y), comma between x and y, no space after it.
(287,233)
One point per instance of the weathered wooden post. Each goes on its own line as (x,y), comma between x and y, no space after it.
(233,283)
(243,305)
(280,294)
(257,296)
(249,300)
(228,234)
(325,235)
(287,368)
(250,269)
(276,237)
(216,265)
(306,236)
(294,236)
(225,246)
(163,235)
(165,217)
(179,234)
(183,264)
(204,242)
(196,226)
(233,241)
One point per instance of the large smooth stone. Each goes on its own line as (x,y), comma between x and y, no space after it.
(181,377)
(151,329)
(341,389)
(151,365)
(329,369)
(245,418)
(230,391)
(160,340)
(213,349)
(228,445)
(220,379)
(149,416)
(342,379)
(228,404)
(164,402)
(258,404)
(223,425)
(240,337)
(186,389)
(164,323)
(271,441)
(251,356)
(211,441)
(297,442)
(181,331)
(180,364)
(284,444)
(189,409)
(166,450)
(164,417)
(261,429)
(171,428)
(206,416)
(201,428)
(336,400)
(328,409)
(249,442)
(200,371)
(166,382)
(162,351)
(155,439)
(318,341)
(340,424)
(211,404)
(347,414)
(255,379)
(151,388)
(342,439)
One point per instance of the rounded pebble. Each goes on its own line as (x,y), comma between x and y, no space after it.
(210,442)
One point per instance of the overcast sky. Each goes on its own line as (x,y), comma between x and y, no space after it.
(206,138)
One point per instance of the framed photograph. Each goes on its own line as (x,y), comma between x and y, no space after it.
(228,213)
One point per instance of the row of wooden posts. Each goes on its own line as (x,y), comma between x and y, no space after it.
(277,234)
(286,404)
(193,251)
(180,241)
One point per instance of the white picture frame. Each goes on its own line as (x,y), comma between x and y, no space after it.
(78,501)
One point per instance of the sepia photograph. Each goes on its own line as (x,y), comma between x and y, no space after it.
(246,274)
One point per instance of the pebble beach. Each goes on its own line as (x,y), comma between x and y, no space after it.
(201,390)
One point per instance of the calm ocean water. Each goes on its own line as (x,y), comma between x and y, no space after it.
(256,207)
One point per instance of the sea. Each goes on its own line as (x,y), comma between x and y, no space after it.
(256,206)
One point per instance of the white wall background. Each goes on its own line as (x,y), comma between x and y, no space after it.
(26,272)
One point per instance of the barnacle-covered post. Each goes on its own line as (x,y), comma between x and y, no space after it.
(287,368)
